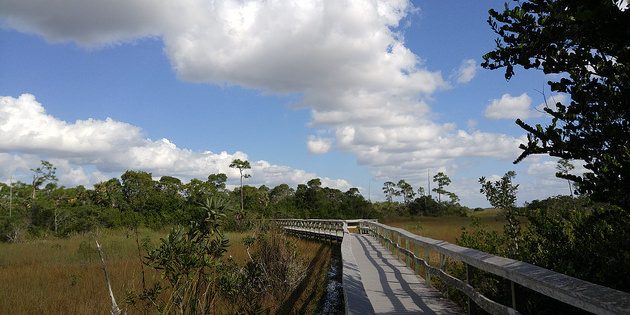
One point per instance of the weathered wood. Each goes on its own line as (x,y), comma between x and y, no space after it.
(392,287)
(485,303)
(579,293)
(356,300)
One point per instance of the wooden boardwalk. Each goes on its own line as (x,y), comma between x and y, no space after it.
(376,279)
(391,287)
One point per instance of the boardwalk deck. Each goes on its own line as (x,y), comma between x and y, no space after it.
(391,287)
(376,281)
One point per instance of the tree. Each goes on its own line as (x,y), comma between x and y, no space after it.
(389,189)
(442,181)
(420,191)
(353,192)
(139,190)
(564,167)
(586,43)
(314,183)
(109,194)
(280,192)
(218,181)
(241,165)
(170,185)
(454,198)
(45,173)
(502,194)
(406,191)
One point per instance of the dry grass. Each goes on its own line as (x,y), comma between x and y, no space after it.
(64,276)
(447,228)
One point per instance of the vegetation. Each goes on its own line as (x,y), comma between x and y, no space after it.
(585,237)
(38,277)
(137,199)
(502,195)
(241,166)
(586,43)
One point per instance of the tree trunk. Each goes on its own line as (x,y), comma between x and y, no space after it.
(56,219)
(242,191)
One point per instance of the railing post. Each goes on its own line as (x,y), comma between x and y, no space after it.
(512,289)
(398,247)
(407,257)
(427,261)
(417,255)
(468,282)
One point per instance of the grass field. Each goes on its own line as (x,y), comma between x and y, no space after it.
(447,228)
(64,276)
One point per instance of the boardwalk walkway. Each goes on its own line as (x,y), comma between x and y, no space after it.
(391,287)
(376,281)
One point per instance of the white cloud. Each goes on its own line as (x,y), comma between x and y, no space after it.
(317,145)
(88,151)
(346,58)
(511,107)
(466,71)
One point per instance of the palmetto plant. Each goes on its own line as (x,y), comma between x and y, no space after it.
(189,258)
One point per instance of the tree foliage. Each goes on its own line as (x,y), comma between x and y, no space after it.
(241,166)
(563,167)
(405,190)
(586,43)
(502,194)
(45,173)
(442,180)
(389,189)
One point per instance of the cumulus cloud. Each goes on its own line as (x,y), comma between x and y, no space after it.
(346,58)
(317,145)
(511,107)
(466,71)
(88,151)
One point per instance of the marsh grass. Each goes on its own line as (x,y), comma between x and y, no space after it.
(64,275)
(448,228)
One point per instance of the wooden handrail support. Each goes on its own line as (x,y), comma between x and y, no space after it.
(579,293)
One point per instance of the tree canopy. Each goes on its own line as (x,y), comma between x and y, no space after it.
(587,44)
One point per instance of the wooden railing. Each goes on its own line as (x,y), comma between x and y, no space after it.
(323,227)
(417,249)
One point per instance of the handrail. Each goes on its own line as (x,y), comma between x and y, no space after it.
(315,225)
(579,293)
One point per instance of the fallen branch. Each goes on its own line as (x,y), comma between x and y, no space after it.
(115,309)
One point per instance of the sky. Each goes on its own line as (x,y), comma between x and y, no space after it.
(353,92)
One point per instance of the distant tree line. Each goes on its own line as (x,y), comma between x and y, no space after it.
(44,207)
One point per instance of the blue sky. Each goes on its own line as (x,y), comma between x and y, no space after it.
(352,93)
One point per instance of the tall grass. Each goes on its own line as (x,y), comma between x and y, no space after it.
(448,228)
(64,276)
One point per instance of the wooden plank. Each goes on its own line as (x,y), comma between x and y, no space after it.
(356,300)
(391,286)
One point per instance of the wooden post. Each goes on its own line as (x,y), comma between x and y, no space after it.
(398,247)
(427,260)
(407,257)
(417,254)
(513,294)
(468,282)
